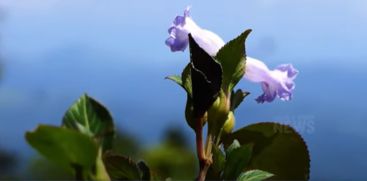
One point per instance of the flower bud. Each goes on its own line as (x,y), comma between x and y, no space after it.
(229,124)
(218,113)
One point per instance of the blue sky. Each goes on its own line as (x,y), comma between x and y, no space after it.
(292,30)
(55,50)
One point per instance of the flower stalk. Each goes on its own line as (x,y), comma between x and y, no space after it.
(203,153)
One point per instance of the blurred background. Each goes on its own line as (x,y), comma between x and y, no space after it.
(52,51)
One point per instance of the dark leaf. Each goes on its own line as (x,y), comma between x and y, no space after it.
(206,77)
(219,159)
(237,98)
(278,149)
(144,170)
(237,161)
(120,167)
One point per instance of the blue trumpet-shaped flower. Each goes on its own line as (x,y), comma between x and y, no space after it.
(275,83)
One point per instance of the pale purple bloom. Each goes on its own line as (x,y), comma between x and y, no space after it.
(183,25)
(275,83)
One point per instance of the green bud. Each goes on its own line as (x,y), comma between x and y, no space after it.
(218,113)
(229,124)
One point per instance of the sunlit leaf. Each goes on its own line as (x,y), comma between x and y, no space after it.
(254,175)
(175,78)
(235,144)
(91,118)
(232,58)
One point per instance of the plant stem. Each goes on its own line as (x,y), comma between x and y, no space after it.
(203,172)
(101,172)
(204,163)
(199,141)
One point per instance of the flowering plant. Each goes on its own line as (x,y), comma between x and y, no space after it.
(255,152)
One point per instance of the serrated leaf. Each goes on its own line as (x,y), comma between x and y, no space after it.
(232,58)
(237,98)
(278,149)
(120,167)
(206,78)
(91,118)
(64,146)
(237,161)
(254,175)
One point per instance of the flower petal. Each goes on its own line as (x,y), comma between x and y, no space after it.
(182,26)
(275,83)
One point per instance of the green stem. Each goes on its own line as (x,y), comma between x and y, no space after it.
(101,172)
(204,154)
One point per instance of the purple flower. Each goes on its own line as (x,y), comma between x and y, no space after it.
(183,25)
(275,83)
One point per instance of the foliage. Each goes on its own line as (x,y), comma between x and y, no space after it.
(84,143)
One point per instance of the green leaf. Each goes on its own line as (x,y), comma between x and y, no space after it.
(219,159)
(278,149)
(91,118)
(216,168)
(206,77)
(64,146)
(175,78)
(186,79)
(237,98)
(237,161)
(120,167)
(185,82)
(232,58)
(189,112)
(254,175)
(235,144)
